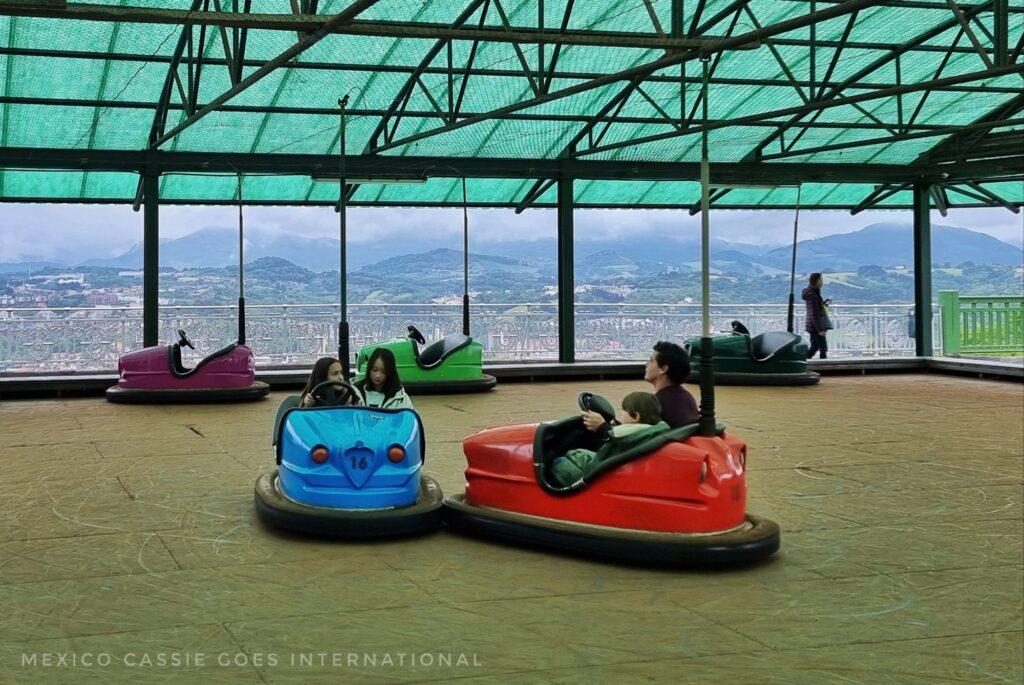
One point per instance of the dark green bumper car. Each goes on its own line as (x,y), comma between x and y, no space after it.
(772,358)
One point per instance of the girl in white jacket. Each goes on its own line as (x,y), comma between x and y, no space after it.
(382,388)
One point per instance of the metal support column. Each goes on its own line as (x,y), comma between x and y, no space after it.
(676,19)
(922,271)
(1001,32)
(343,330)
(707,350)
(566,275)
(465,259)
(150,260)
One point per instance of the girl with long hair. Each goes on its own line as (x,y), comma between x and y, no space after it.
(325,369)
(382,387)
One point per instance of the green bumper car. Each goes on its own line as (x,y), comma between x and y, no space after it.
(453,364)
(772,358)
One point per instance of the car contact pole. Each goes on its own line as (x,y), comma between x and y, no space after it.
(343,349)
(707,367)
(465,259)
(241,267)
(792,264)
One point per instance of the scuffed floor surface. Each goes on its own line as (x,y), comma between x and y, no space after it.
(128,534)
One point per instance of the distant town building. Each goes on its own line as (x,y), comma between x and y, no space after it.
(59,278)
(103,299)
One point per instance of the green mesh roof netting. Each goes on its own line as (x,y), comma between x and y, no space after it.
(76,81)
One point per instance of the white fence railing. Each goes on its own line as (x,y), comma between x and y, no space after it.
(85,339)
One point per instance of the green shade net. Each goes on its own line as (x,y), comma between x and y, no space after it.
(94,85)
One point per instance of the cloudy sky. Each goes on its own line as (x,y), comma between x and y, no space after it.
(70,233)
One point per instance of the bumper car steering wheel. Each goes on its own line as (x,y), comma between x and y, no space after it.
(588,401)
(183,340)
(414,334)
(739,329)
(323,398)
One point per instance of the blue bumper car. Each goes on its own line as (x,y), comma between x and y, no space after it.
(348,471)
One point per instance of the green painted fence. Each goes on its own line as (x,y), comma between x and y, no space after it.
(981,325)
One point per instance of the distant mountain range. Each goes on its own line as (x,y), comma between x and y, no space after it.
(216,247)
(893,245)
(22,267)
(604,275)
(881,244)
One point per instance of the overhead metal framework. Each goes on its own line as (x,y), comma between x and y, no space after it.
(861,101)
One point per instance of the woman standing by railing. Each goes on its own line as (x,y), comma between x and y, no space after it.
(816,321)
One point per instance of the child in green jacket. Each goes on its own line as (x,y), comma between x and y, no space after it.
(642,417)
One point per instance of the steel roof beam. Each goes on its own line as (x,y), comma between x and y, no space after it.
(194,69)
(468,71)
(5,117)
(732,9)
(538,189)
(877,195)
(144,57)
(160,118)
(340,19)
(618,102)
(242,39)
(406,69)
(610,111)
(156,128)
(557,52)
(716,194)
(983,195)
(939,197)
(964,144)
(686,120)
(974,196)
(312,23)
(1017,51)
(98,112)
(866,71)
(993,197)
(434,114)
(836,54)
(938,73)
(228,45)
(944,131)
(418,114)
(308,23)
(966,25)
(813,106)
(643,70)
(438,205)
(999,144)
(616,105)
(397,108)
(402,96)
(913,4)
(777,55)
(162,161)
(527,71)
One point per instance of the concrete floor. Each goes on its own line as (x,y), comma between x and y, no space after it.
(128,534)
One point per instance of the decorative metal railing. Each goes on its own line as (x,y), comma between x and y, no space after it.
(87,339)
(982,325)
(628,331)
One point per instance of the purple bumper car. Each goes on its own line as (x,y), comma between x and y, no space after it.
(157,375)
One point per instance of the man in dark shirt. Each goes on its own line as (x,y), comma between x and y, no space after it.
(666,370)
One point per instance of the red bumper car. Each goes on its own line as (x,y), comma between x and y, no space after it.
(677,499)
